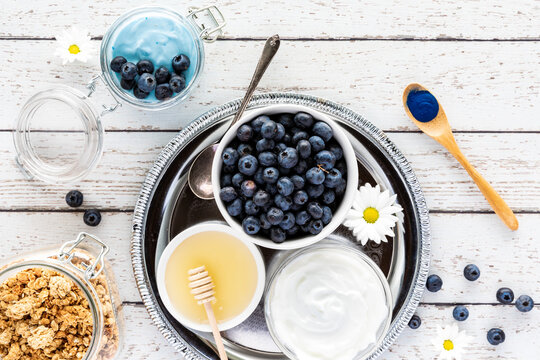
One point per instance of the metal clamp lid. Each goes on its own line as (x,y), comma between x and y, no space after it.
(91,271)
(208,32)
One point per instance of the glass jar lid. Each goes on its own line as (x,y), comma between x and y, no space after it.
(58,135)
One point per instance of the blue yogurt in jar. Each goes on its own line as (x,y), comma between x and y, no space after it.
(157,37)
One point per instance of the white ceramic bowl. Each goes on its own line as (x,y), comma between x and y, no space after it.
(196,229)
(348,197)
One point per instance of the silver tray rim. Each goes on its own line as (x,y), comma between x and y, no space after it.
(321,104)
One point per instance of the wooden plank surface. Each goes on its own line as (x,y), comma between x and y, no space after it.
(371,19)
(510,161)
(483,86)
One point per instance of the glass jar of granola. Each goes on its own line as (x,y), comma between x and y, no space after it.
(60,304)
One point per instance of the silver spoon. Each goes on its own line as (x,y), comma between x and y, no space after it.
(200,173)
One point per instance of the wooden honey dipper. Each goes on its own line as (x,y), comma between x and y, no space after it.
(202,289)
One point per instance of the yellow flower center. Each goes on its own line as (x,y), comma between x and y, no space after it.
(371,215)
(448,345)
(74,49)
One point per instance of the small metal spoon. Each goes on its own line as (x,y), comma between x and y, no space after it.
(200,173)
(439,129)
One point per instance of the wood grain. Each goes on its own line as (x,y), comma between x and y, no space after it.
(511,162)
(372,19)
(483,86)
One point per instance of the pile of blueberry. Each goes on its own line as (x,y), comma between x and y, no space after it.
(283,177)
(142,79)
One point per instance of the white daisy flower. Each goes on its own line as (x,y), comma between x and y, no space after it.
(373,214)
(74,44)
(450,342)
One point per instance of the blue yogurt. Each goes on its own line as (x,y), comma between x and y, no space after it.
(156,37)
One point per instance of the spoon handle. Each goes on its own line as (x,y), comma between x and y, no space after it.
(492,196)
(270,48)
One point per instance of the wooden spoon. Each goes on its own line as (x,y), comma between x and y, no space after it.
(439,129)
(202,289)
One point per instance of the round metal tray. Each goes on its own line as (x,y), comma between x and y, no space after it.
(166,206)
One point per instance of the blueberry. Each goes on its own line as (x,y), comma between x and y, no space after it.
(300,135)
(227,194)
(303,120)
(225,180)
(293,230)
(315,227)
(460,313)
(258,177)
(288,221)
(251,225)
(271,189)
(163,75)
(301,167)
(315,210)
(244,133)
(127,84)
(235,208)
(258,122)
(287,139)
(285,186)
(495,336)
(327,215)
(228,169)
(145,67)
(296,207)
(315,176)
(298,182)
(505,295)
(237,180)
(341,187)
(263,220)
(326,159)
(314,191)
(230,156)
(269,129)
(250,208)
(283,202)
(180,63)
(302,217)
(92,217)
(138,93)
(146,82)
(248,164)
(267,158)
(264,144)
(274,215)
(342,167)
(286,120)
(328,197)
(271,175)
(434,283)
(262,198)
(244,149)
(304,149)
(300,197)
(129,71)
(163,91)
(323,130)
(524,303)
(288,158)
(248,188)
(74,198)
(333,179)
(471,272)
(279,147)
(117,62)
(317,143)
(415,322)
(177,83)
(277,235)
(280,133)
(337,151)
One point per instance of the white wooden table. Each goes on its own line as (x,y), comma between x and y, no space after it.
(481,58)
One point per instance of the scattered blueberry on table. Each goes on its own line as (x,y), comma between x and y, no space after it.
(471,272)
(92,217)
(505,295)
(434,283)
(287,176)
(74,198)
(415,322)
(524,303)
(495,336)
(460,313)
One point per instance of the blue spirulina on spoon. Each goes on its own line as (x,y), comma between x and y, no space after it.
(423,105)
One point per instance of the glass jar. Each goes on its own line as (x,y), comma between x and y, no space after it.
(58,135)
(83,262)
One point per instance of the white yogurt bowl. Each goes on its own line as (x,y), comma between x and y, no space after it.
(175,243)
(348,197)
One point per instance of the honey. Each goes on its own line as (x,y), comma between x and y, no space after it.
(230,264)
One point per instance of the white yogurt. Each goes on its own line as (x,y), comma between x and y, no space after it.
(328,304)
